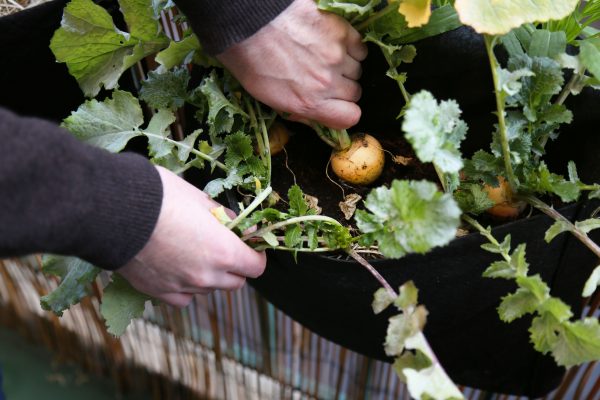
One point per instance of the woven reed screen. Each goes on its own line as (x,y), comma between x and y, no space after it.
(224,346)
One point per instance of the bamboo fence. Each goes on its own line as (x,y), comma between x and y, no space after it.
(228,345)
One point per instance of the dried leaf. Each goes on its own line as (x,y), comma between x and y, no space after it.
(348,205)
(313,203)
(398,159)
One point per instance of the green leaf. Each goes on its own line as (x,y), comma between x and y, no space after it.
(77,276)
(408,360)
(485,167)
(500,269)
(555,307)
(592,283)
(556,229)
(351,10)
(588,225)
(271,239)
(543,181)
(471,198)
(409,217)
(184,52)
(239,149)
(183,152)
(293,234)
(381,300)
(499,17)
(298,206)
(218,186)
(158,132)
(543,332)
(547,44)
(577,343)
(590,56)
(221,112)
(95,51)
(109,124)
(408,296)
(431,383)
(435,131)
(121,304)
(166,90)
(535,285)
(401,327)
(517,304)
(443,19)
(518,260)
(510,81)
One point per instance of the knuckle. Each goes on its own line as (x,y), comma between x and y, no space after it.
(335,55)
(199,281)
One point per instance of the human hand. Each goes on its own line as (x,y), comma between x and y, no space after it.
(306,63)
(190,251)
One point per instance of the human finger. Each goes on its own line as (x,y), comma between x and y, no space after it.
(337,114)
(176,299)
(346,89)
(355,46)
(248,262)
(351,68)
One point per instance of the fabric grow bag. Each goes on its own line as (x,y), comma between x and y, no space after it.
(332,297)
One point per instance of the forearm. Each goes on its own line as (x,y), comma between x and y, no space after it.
(58,195)
(219,24)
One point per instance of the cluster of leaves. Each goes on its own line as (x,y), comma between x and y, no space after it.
(414,362)
(552,330)
(409,216)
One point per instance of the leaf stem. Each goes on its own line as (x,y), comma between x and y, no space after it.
(198,153)
(251,207)
(291,221)
(489,45)
(352,253)
(484,232)
(265,138)
(379,14)
(555,215)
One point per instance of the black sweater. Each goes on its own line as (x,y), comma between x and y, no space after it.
(60,196)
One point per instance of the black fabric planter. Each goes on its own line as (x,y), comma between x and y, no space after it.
(332,297)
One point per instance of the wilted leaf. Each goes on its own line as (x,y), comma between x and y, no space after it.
(416,12)
(348,205)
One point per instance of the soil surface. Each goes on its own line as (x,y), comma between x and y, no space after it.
(305,162)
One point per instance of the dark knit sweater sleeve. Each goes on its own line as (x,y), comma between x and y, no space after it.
(221,23)
(60,196)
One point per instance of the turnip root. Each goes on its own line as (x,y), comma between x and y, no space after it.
(361,163)
(278,137)
(503,198)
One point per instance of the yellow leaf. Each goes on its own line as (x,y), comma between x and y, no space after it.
(498,17)
(416,12)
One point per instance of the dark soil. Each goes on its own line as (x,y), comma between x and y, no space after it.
(307,156)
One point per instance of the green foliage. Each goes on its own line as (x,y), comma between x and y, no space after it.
(166,90)
(471,198)
(76,278)
(121,304)
(590,56)
(409,217)
(435,131)
(95,51)
(592,283)
(352,10)
(109,124)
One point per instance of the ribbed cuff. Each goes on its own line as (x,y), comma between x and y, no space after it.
(220,24)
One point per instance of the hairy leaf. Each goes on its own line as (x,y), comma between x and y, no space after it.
(517,304)
(590,56)
(121,304)
(77,276)
(556,229)
(221,112)
(218,186)
(409,217)
(298,206)
(471,198)
(578,342)
(95,51)
(109,124)
(166,90)
(435,131)
(158,132)
(382,299)
(495,17)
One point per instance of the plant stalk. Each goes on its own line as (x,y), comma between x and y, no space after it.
(373,271)
(555,215)
(475,224)
(198,153)
(291,221)
(512,180)
(393,5)
(251,207)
